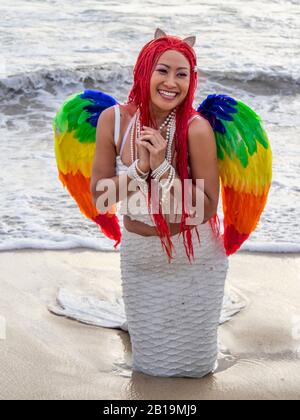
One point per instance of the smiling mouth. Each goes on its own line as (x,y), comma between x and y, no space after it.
(169,97)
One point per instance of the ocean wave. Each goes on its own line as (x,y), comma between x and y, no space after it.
(276,78)
(47,79)
(267,81)
(272,247)
(72,241)
(69,242)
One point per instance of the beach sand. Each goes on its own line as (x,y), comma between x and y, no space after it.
(44,356)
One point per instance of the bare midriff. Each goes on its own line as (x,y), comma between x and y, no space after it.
(136,226)
(143,229)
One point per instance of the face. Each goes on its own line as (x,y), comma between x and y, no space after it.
(171,75)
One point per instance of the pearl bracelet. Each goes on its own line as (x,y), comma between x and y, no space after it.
(140,180)
(158,172)
(133,171)
(144,174)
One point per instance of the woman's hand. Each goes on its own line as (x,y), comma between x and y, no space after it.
(152,141)
(144,157)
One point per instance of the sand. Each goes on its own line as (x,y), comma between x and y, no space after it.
(43,356)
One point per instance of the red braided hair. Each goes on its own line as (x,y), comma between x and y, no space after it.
(139,96)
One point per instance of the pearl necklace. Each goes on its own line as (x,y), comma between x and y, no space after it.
(170,123)
(168,119)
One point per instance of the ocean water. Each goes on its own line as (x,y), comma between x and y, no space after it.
(51,49)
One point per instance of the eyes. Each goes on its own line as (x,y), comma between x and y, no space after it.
(164,71)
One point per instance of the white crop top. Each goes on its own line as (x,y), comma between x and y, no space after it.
(140,212)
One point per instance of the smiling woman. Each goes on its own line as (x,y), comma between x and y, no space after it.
(172,310)
(172,304)
(169,83)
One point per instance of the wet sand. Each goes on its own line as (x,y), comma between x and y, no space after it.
(44,356)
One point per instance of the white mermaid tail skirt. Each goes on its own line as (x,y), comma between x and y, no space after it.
(173,310)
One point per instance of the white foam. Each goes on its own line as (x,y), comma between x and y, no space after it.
(273,247)
(67,242)
(106,245)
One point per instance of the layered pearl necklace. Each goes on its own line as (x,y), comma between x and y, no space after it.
(169,123)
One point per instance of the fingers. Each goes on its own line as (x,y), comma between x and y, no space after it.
(155,134)
(147,146)
(155,147)
(153,141)
(150,139)
(156,139)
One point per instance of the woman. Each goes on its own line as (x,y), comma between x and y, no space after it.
(172,307)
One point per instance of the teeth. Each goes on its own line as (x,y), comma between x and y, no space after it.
(167,93)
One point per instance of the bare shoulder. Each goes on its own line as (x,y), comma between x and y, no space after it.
(199,129)
(104,156)
(107,118)
(201,138)
(200,133)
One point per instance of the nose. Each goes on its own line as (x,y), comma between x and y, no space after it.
(170,82)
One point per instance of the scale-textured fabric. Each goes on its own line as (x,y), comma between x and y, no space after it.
(173,310)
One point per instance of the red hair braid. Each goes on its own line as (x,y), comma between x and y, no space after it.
(140,97)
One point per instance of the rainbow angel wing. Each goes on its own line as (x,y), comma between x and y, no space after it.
(75,142)
(245,165)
